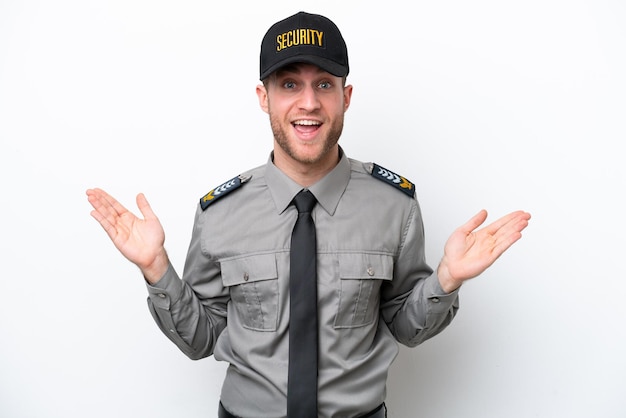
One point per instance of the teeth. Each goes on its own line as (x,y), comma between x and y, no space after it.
(306,122)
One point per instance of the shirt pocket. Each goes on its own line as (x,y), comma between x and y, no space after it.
(253,285)
(361,276)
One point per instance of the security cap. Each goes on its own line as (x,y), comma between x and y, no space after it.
(304,37)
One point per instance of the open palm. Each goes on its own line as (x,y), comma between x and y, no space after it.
(139,240)
(468,252)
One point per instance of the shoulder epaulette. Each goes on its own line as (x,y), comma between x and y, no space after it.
(393,179)
(222,190)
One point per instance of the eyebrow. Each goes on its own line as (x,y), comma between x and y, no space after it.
(294,68)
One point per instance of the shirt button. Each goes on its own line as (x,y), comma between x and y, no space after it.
(435,300)
(370,271)
(162,295)
(246,276)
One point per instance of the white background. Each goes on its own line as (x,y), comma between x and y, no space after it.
(502,105)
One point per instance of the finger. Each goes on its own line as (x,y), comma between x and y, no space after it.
(104,223)
(104,205)
(98,202)
(114,206)
(511,231)
(107,210)
(144,207)
(505,242)
(474,222)
(514,221)
(103,216)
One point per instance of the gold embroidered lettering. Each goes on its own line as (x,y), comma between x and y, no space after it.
(319,37)
(297,37)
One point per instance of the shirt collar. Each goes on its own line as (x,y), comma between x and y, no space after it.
(327,191)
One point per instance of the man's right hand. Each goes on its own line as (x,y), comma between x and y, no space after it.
(140,240)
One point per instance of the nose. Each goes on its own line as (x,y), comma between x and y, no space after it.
(308,99)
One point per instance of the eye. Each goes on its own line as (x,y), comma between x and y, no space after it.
(289,85)
(325,85)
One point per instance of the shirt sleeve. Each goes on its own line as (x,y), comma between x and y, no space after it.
(413,304)
(191,312)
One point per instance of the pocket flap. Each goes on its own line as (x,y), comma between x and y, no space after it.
(365,266)
(252,268)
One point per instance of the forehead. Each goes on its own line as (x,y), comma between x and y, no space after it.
(301,68)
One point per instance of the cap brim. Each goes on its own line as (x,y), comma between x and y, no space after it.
(327,65)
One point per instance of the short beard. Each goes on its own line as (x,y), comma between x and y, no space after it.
(329,143)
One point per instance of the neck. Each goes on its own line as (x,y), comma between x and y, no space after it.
(306,174)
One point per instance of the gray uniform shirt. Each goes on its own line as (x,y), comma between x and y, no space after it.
(374,288)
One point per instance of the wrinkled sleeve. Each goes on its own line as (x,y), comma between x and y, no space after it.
(191,312)
(413,304)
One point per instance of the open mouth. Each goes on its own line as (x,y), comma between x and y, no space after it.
(306,126)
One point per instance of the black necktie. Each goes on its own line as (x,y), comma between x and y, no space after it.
(302,383)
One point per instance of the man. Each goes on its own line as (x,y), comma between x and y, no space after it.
(371,285)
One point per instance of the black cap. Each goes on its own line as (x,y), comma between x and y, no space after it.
(304,37)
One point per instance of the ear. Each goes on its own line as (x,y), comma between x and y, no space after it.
(347,96)
(261,93)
